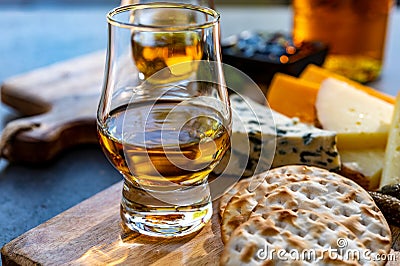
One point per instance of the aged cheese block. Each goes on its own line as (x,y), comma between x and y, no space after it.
(391,169)
(293,97)
(262,137)
(363,166)
(318,74)
(359,119)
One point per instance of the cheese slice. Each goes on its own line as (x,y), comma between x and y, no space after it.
(316,74)
(360,120)
(293,97)
(363,166)
(262,138)
(391,170)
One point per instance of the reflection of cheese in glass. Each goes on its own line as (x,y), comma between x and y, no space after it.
(360,120)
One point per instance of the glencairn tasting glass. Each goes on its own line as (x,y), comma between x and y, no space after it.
(164,117)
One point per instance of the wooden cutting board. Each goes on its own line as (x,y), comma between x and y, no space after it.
(90,234)
(59,103)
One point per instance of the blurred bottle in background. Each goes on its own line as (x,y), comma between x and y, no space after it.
(355,31)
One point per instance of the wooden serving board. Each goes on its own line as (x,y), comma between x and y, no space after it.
(90,234)
(59,102)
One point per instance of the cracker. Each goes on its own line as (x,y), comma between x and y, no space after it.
(241,186)
(243,202)
(304,231)
(249,184)
(237,188)
(313,171)
(352,207)
(257,179)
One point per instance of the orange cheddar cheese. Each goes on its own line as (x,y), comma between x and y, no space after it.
(293,97)
(317,74)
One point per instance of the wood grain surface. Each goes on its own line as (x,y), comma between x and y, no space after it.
(90,234)
(59,103)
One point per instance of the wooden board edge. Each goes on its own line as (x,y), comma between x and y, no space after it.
(9,252)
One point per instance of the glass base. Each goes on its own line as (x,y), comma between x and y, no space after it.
(152,214)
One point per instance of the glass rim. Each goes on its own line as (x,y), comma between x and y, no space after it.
(123,24)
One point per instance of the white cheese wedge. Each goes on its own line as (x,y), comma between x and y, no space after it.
(360,120)
(363,166)
(262,138)
(391,167)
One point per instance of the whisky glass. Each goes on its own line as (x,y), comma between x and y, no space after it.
(164,117)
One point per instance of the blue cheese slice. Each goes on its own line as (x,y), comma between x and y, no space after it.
(263,138)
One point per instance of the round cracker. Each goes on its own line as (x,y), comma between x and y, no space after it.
(243,202)
(241,186)
(313,171)
(251,183)
(237,188)
(287,231)
(352,207)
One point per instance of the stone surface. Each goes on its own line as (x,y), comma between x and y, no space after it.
(34,36)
